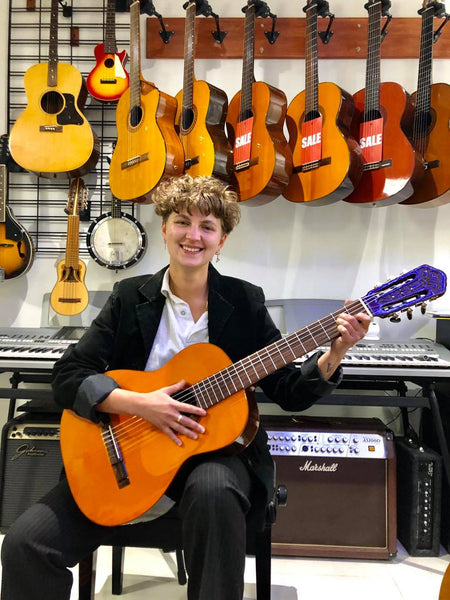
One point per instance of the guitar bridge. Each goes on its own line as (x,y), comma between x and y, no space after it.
(312,165)
(136,160)
(115,457)
(246,164)
(381,164)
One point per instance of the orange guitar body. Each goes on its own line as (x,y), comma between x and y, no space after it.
(433,189)
(392,183)
(151,459)
(51,137)
(147,152)
(341,169)
(271,157)
(207,150)
(108,79)
(69,296)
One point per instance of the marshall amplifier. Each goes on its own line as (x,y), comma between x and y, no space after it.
(31,463)
(419,479)
(341,480)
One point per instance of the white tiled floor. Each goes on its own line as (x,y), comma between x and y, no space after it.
(148,576)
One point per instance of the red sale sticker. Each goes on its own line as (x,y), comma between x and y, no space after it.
(243,142)
(311,141)
(371,140)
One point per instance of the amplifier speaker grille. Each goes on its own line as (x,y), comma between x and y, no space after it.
(337,506)
(31,464)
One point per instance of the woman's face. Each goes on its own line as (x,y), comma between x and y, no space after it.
(192,239)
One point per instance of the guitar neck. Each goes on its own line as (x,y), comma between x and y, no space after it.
(110,28)
(372,94)
(423,95)
(253,368)
(248,76)
(72,245)
(116,207)
(52,78)
(3,176)
(188,74)
(135,56)
(311,68)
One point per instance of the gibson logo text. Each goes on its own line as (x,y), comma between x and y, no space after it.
(26,450)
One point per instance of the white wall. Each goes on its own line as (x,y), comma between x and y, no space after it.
(292,250)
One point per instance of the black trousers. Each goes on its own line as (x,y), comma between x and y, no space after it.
(54,535)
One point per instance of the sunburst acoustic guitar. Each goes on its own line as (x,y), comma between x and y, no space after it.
(108,79)
(125,464)
(381,124)
(51,137)
(256,115)
(327,163)
(70,295)
(148,148)
(16,247)
(200,118)
(430,134)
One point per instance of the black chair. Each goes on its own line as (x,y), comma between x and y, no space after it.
(165,534)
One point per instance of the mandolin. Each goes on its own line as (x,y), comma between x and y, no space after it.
(116,240)
(69,295)
(327,162)
(148,148)
(200,117)
(431,121)
(108,79)
(125,464)
(381,123)
(51,137)
(16,247)
(256,115)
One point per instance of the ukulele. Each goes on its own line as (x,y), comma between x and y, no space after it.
(69,295)
(200,117)
(261,155)
(108,79)
(51,137)
(431,121)
(16,247)
(119,468)
(326,157)
(148,148)
(116,240)
(383,118)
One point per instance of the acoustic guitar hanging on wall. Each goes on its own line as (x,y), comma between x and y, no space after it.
(70,295)
(51,137)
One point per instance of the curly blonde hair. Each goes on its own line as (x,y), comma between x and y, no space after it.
(207,194)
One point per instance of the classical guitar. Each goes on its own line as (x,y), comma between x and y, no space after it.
(200,117)
(16,247)
(327,162)
(116,240)
(261,155)
(431,121)
(108,79)
(51,137)
(69,295)
(381,124)
(119,468)
(148,148)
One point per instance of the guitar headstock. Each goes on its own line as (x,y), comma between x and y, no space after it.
(77,200)
(406,291)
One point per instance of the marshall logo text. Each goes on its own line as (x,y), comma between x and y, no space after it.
(310,466)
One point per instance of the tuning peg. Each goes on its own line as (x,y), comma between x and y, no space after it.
(395,318)
(409,313)
(423,308)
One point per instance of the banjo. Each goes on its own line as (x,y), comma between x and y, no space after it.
(116,240)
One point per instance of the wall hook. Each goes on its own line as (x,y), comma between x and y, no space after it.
(148,8)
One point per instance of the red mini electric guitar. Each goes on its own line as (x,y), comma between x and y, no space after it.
(108,79)
(120,468)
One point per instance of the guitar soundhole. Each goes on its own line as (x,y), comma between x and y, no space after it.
(314,114)
(135,116)
(52,103)
(372,115)
(109,63)
(187,119)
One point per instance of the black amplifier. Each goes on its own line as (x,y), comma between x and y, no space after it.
(31,463)
(419,481)
(341,487)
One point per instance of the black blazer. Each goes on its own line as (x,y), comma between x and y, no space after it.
(122,335)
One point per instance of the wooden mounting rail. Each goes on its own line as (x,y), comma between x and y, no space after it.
(349,39)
